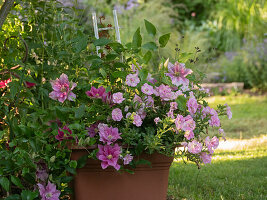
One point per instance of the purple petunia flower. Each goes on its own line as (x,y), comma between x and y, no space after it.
(192,105)
(132,80)
(206,158)
(48,192)
(109,156)
(116,114)
(93,129)
(118,97)
(194,147)
(127,159)
(62,89)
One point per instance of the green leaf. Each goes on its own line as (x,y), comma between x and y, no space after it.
(13,197)
(147,57)
(73,164)
(66,179)
(28,195)
(4,182)
(137,38)
(75,126)
(82,161)
(79,113)
(103,72)
(101,42)
(163,40)
(81,44)
(143,162)
(143,74)
(119,74)
(150,28)
(16,181)
(150,46)
(181,101)
(71,170)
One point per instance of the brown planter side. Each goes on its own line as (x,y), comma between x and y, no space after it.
(147,183)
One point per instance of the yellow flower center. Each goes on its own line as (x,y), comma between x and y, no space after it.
(109,156)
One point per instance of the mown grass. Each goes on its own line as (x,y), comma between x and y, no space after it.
(249,115)
(239,167)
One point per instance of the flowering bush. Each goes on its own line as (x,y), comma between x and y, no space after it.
(113,105)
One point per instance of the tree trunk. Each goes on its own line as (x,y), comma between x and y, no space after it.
(6,7)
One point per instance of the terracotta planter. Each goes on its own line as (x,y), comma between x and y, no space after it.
(147,183)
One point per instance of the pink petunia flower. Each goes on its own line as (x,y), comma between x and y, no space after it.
(96,93)
(127,159)
(165,92)
(177,73)
(137,120)
(189,123)
(149,101)
(29,84)
(62,89)
(141,112)
(157,120)
(206,158)
(4,83)
(179,121)
(48,192)
(228,111)
(147,89)
(211,143)
(132,80)
(189,135)
(151,79)
(194,147)
(214,121)
(173,106)
(192,105)
(109,135)
(109,156)
(170,114)
(116,114)
(118,97)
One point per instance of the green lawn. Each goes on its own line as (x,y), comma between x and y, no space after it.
(249,115)
(239,167)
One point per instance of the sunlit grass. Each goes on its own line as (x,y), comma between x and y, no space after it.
(239,166)
(249,115)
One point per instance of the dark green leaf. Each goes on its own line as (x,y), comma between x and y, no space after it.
(80,111)
(66,179)
(151,29)
(71,170)
(82,161)
(81,44)
(13,197)
(16,181)
(163,40)
(181,101)
(101,42)
(137,38)
(4,182)
(143,74)
(150,46)
(119,74)
(73,163)
(147,57)
(103,72)
(143,162)
(28,195)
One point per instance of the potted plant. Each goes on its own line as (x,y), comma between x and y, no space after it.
(112,119)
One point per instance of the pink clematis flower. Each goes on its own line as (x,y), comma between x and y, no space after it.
(4,83)
(48,192)
(109,156)
(127,159)
(118,97)
(194,147)
(147,89)
(117,114)
(132,80)
(62,89)
(93,129)
(109,134)
(206,158)
(177,73)
(96,93)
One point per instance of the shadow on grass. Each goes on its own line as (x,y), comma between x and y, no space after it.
(224,180)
